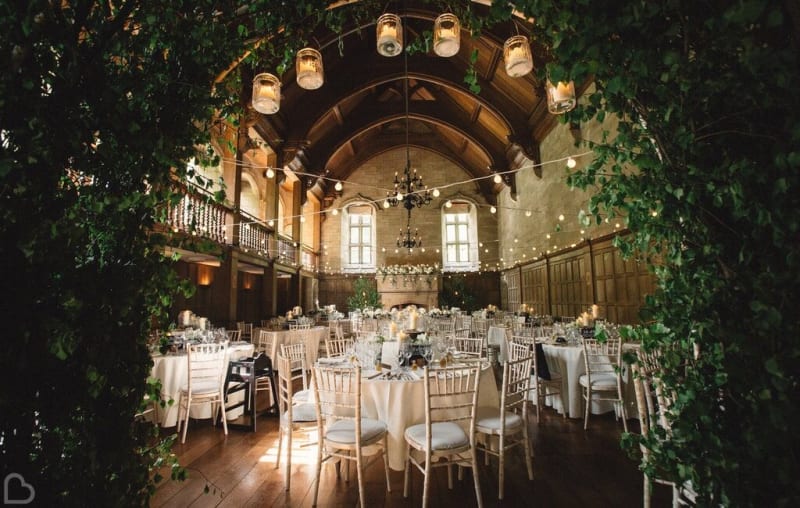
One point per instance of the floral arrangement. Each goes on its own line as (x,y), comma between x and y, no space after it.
(437,312)
(410,273)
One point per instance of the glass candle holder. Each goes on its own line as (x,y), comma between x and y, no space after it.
(389,34)
(266,93)
(517,56)
(446,35)
(560,97)
(309,70)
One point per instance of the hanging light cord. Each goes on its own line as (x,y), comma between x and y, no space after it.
(405,95)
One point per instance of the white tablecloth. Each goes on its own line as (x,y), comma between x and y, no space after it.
(567,361)
(402,403)
(173,371)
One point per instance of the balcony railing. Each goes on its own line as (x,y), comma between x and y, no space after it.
(254,236)
(308,259)
(198,214)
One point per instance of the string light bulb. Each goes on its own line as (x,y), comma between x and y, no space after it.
(571,163)
(561,217)
(448,204)
(436,193)
(338,186)
(497,178)
(493,209)
(270,173)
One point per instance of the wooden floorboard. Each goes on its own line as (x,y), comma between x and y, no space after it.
(572,467)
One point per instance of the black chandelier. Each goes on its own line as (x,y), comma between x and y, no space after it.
(409,190)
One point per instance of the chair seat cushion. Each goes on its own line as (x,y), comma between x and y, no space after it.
(600,381)
(444,436)
(301,396)
(344,431)
(488,421)
(202,388)
(301,413)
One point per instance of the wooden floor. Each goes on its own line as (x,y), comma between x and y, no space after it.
(572,467)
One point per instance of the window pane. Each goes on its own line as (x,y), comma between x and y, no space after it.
(354,255)
(366,234)
(462,233)
(355,237)
(450,233)
(463,252)
(451,253)
(366,255)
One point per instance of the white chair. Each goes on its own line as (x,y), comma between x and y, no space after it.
(509,423)
(338,347)
(653,402)
(265,343)
(296,353)
(234,335)
(470,346)
(205,383)
(246,330)
(603,363)
(447,437)
(546,382)
(343,432)
(294,418)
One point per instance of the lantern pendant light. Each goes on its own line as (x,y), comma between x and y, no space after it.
(517,56)
(389,33)
(266,93)
(309,70)
(446,35)
(560,97)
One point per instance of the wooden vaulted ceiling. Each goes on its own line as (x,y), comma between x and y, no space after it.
(360,110)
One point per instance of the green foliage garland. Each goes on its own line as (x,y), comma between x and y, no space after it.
(705,171)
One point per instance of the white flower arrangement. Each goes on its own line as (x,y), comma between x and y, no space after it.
(409,272)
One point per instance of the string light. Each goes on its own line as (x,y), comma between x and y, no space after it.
(338,186)
(571,163)
(561,217)
(528,213)
(436,193)
(270,173)
(493,209)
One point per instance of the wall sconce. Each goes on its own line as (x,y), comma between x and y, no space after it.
(266,93)
(389,32)
(517,56)
(205,275)
(446,35)
(561,97)
(308,65)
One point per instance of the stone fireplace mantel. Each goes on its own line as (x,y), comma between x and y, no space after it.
(402,290)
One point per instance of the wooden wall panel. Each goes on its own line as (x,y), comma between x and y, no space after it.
(568,284)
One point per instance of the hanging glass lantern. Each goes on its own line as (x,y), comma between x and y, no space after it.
(308,66)
(561,97)
(266,93)
(517,56)
(389,32)
(446,35)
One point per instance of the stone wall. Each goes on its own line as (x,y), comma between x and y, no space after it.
(524,238)
(373,179)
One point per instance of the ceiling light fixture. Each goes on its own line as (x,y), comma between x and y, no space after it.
(409,190)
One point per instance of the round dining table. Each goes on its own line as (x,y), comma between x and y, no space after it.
(172,369)
(567,360)
(401,403)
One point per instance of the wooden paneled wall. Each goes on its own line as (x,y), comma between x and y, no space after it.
(336,289)
(570,282)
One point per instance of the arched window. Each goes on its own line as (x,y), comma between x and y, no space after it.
(358,237)
(459,237)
